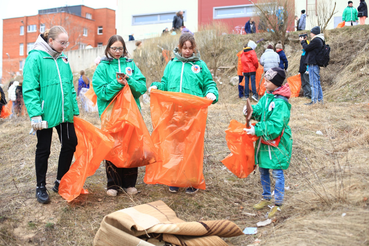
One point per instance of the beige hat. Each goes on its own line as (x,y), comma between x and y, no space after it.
(279,46)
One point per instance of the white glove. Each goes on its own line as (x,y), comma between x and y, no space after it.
(250,131)
(245,110)
(211,96)
(152,87)
(36,123)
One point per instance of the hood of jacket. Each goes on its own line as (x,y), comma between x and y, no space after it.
(284,90)
(195,56)
(320,35)
(247,49)
(112,60)
(41,44)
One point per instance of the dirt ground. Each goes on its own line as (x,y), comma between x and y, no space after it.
(326,200)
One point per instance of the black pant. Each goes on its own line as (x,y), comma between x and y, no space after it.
(305,85)
(120,177)
(68,140)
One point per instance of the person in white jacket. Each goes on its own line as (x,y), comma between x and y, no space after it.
(12,96)
(270,58)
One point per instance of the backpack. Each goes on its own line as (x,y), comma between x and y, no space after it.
(322,57)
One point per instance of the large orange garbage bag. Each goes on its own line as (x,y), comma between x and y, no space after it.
(6,110)
(241,160)
(93,146)
(123,121)
(341,24)
(259,81)
(90,94)
(295,85)
(179,122)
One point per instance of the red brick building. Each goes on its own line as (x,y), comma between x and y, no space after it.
(85,26)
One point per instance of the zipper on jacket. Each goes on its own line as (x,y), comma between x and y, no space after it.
(61,87)
(180,86)
(119,65)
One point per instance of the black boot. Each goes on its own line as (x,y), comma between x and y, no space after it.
(41,194)
(56,186)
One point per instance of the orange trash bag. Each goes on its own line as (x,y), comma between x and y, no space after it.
(179,122)
(259,81)
(6,110)
(93,145)
(90,94)
(241,160)
(341,24)
(123,121)
(295,85)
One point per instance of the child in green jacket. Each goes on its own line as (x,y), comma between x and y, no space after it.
(274,146)
(188,74)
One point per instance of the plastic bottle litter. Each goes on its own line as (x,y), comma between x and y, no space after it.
(264,223)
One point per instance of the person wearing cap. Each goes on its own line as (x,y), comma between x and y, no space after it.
(283,63)
(250,63)
(362,12)
(312,50)
(302,22)
(273,149)
(349,15)
(269,58)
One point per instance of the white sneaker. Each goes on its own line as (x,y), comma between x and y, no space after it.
(255,98)
(131,190)
(112,192)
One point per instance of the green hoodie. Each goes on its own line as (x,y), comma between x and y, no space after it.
(273,114)
(187,75)
(349,14)
(105,83)
(48,89)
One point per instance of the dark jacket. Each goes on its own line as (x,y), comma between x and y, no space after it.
(2,99)
(283,63)
(177,22)
(248,28)
(313,48)
(363,8)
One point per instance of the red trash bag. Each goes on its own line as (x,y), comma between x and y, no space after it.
(341,24)
(93,146)
(179,122)
(295,85)
(241,160)
(6,110)
(259,81)
(123,121)
(90,94)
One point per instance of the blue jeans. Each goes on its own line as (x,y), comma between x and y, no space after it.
(240,87)
(279,184)
(316,88)
(253,85)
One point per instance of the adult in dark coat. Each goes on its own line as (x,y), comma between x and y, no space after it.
(305,83)
(362,12)
(178,21)
(250,26)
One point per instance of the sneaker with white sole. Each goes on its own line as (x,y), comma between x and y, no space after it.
(131,191)
(191,190)
(173,189)
(112,192)
(255,98)
(263,203)
(274,210)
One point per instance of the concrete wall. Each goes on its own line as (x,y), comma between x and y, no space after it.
(337,18)
(125,11)
(85,58)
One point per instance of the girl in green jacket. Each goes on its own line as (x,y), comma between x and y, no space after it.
(50,98)
(188,74)
(106,85)
(274,147)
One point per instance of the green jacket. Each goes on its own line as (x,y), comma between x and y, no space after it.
(349,14)
(187,75)
(273,114)
(105,83)
(48,89)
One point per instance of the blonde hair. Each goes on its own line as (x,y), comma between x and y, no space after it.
(53,33)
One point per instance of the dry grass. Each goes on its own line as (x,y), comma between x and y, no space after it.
(327,177)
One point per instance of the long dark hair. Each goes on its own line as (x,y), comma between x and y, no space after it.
(111,41)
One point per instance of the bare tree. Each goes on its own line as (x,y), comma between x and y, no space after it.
(326,9)
(277,16)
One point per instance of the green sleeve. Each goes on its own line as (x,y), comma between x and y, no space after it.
(31,86)
(258,109)
(105,90)
(209,86)
(137,82)
(163,84)
(74,96)
(276,122)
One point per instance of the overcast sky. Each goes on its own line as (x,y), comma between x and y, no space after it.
(18,8)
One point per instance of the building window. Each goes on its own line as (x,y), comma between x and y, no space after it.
(85,32)
(42,28)
(21,50)
(21,30)
(21,63)
(99,44)
(311,7)
(32,28)
(88,16)
(234,11)
(82,46)
(29,47)
(154,18)
(100,30)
